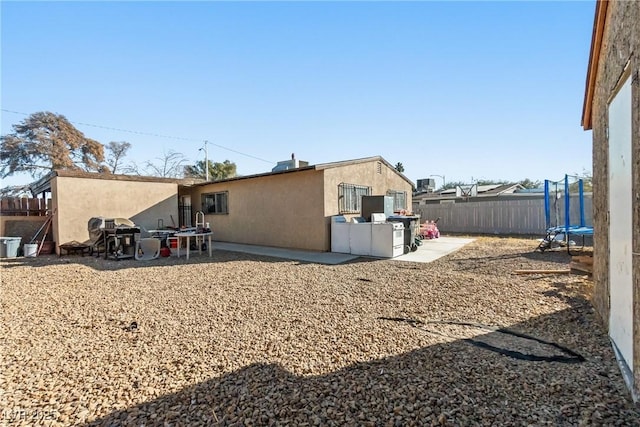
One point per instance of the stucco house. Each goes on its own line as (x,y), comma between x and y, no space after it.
(287,208)
(612,111)
(292,208)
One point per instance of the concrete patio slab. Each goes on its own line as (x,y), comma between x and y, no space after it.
(429,251)
(297,255)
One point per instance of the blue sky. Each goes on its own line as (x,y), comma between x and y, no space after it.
(468,90)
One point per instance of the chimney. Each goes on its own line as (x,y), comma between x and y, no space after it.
(290,164)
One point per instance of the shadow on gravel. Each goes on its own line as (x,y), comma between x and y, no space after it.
(566,292)
(452,383)
(476,263)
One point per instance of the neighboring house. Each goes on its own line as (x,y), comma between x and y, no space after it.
(292,208)
(76,197)
(469,192)
(612,111)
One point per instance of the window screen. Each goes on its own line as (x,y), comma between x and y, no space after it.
(399,199)
(350,197)
(215,203)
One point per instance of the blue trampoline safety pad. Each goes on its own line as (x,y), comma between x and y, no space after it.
(576,230)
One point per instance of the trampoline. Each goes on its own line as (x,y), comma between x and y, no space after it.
(558,214)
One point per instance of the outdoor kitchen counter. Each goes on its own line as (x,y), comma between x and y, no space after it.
(198,237)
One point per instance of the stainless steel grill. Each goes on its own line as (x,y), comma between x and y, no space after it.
(116,237)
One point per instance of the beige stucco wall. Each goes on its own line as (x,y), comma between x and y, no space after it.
(79,199)
(291,210)
(283,210)
(362,174)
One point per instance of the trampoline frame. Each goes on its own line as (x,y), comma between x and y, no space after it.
(567,230)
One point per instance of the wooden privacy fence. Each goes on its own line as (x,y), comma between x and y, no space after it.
(521,216)
(23,206)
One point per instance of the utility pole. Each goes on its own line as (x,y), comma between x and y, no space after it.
(206,160)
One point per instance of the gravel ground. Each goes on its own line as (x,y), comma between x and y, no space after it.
(245,340)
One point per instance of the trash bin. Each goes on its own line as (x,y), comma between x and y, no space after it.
(30,250)
(9,246)
(411,227)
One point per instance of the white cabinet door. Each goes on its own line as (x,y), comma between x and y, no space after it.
(340,237)
(360,238)
(620,223)
(382,240)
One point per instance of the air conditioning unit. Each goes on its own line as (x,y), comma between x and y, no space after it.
(426,184)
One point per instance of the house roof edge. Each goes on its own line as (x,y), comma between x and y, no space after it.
(599,20)
(318,167)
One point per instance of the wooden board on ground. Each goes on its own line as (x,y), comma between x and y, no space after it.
(583,259)
(583,263)
(580,266)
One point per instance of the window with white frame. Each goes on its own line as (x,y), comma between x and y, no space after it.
(350,197)
(215,203)
(399,199)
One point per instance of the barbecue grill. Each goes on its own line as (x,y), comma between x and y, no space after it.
(115,236)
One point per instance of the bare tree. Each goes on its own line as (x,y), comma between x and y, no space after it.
(117,151)
(170,165)
(131,168)
(15,191)
(45,141)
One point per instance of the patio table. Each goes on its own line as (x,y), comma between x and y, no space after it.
(198,237)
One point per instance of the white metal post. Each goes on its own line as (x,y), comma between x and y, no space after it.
(206,161)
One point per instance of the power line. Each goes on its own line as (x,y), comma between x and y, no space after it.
(152,134)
